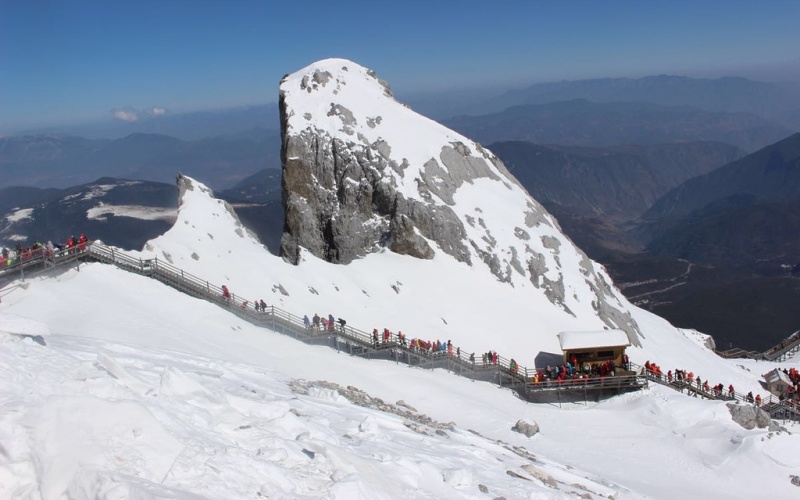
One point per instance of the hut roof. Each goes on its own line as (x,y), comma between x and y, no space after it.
(777,375)
(588,340)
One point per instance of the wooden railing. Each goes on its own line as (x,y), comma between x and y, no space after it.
(361,343)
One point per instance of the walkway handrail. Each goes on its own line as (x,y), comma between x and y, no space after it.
(275,317)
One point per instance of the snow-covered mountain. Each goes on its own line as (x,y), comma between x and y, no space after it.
(362,173)
(115,386)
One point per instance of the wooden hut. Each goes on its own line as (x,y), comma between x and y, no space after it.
(594,347)
(778,383)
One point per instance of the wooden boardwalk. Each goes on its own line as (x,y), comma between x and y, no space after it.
(360,343)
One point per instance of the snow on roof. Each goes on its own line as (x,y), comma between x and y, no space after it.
(588,340)
(777,375)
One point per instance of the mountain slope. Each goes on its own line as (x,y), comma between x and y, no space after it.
(614,183)
(770,174)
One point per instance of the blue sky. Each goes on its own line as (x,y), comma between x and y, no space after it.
(69,62)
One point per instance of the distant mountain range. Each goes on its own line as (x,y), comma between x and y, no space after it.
(777,102)
(581,122)
(59,161)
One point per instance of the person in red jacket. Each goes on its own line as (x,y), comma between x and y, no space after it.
(82,242)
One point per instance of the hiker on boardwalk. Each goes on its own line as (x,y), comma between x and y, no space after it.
(758,399)
(375,337)
(342,322)
(316,321)
(226,294)
(263,306)
(306,322)
(331,322)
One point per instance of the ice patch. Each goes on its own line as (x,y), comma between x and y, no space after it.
(25,213)
(133,211)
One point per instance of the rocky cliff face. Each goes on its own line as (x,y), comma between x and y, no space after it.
(363,173)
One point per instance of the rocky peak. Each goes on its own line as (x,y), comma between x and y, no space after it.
(363,172)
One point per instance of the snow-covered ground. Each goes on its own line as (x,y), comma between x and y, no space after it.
(122,387)
(116,386)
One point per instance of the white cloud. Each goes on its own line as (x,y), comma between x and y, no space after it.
(157,111)
(126,115)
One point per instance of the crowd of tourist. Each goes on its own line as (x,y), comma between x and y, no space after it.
(687,379)
(19,254)
(573,370)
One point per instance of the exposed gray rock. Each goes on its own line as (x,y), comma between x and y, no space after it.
(525,427)
(340,207)
(795,480)
(406,241)
(749,416)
